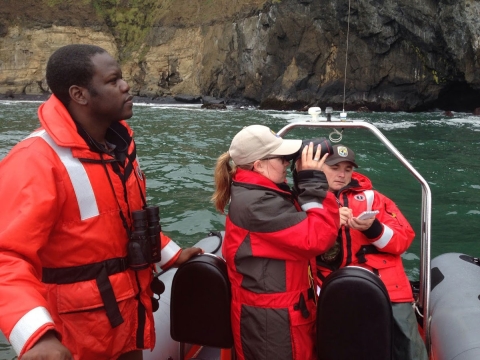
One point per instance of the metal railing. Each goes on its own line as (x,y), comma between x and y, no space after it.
(424,294)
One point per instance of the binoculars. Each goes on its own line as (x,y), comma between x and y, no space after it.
(144,247)
(325,146)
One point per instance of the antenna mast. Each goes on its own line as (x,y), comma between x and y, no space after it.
(344,114)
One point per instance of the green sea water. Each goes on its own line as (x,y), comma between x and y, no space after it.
(178,147)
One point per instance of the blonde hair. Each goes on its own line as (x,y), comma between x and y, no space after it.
(223,175)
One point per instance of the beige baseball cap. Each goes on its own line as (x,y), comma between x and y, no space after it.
(256,142)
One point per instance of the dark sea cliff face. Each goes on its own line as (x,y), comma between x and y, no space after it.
(289,54)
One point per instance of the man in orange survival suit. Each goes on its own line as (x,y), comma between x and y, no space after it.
(68,192)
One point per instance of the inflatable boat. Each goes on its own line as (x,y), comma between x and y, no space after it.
(193,319)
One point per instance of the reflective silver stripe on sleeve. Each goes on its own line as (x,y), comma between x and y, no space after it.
(78,176)
(168,252)
(385,239)
(312,205)
(27,326)
(370,196)
(35,133)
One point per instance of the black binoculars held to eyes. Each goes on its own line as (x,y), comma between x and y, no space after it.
(325,146)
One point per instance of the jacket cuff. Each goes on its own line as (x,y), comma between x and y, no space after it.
(170,254)
(375,230)
(311,175)
(33,325)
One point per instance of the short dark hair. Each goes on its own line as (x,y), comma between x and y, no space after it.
(71,65)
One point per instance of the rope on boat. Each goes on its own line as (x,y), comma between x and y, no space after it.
(417,310)
(335,136)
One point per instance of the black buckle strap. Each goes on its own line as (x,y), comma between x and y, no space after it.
(108,298)
(302,306)
(73,274)
(98,271)
(366,250)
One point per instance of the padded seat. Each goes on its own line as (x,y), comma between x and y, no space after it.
(354,317)
(200,303)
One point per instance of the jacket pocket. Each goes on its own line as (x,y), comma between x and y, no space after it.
(381,261)
(85,295)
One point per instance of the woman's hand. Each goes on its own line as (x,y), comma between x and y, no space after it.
(345,214)
(310,162)
(360,225)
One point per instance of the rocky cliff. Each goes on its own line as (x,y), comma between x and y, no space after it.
(285,54)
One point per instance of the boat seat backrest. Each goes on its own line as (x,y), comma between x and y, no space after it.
(354,317)
(200,303)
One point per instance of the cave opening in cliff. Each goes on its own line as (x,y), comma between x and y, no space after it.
(458,96)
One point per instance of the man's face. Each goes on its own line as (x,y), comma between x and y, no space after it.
(338,175)
(109,100)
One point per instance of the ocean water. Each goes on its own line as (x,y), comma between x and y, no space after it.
(179,144)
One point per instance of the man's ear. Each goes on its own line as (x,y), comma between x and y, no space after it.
(78,94)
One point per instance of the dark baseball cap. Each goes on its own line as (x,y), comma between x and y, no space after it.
(341,153)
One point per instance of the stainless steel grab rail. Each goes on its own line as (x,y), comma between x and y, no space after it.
(424,294)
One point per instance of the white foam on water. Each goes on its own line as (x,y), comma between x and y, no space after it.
(410,256)
(169,106)
(394,125)
(291,117)
(472,121)
(16,102)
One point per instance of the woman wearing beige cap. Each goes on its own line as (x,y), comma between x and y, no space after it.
(270,240)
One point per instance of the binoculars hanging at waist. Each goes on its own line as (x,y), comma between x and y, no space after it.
(144,246)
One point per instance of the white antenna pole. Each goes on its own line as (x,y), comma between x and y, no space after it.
(343,114)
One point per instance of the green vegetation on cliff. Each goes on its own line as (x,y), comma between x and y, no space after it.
(201,12)
(130,21)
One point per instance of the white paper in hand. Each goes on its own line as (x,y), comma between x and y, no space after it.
(367,215)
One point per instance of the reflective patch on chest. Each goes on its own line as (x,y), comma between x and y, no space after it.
(359,197)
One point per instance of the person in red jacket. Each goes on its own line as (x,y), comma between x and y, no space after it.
(375,243)
(76,279)
(271,240)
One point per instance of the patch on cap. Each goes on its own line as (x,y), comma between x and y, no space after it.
(342,151)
